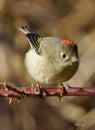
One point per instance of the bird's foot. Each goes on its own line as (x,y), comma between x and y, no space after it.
(61,90)
(38,87)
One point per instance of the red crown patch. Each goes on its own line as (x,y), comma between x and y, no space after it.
(68,42)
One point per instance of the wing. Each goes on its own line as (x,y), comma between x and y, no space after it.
(31,36)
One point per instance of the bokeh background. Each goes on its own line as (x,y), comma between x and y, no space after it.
(61,18)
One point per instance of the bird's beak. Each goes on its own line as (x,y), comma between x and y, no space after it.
(74,59)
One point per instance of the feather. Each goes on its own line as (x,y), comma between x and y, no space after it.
(31,36)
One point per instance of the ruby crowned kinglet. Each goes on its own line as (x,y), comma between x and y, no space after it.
(50,59)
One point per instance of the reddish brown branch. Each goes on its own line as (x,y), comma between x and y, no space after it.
(20,92)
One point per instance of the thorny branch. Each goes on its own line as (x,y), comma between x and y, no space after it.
(36,91)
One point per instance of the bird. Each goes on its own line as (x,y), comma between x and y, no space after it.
(50,60)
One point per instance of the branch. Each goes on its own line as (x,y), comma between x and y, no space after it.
(35,91)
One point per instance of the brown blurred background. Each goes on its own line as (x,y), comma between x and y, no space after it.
(61,18)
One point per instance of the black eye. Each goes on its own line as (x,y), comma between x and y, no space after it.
(63,55)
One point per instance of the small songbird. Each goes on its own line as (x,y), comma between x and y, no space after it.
(50,60)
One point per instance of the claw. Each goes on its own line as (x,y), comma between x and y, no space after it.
(68,86)
(61,90)
(38,87)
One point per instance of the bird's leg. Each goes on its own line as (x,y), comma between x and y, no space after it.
(38,87)
(43,93)
(61,90)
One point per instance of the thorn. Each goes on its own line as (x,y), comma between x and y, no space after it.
(18,100)
(4,83)
(59,98)
(32,85)
(10,100)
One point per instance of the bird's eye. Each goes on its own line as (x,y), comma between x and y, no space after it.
(63,55)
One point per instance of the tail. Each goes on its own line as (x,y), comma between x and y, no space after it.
(31,35)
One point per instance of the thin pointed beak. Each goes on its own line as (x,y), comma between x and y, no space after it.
(74,59)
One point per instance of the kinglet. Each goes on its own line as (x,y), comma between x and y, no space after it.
(50,60)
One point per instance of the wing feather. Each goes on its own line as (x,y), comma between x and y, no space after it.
(31,36)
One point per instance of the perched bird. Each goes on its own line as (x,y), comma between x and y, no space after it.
(50,60)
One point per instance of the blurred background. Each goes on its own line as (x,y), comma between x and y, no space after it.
(74,20)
